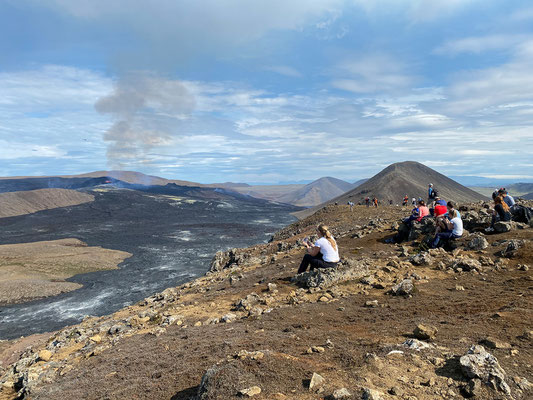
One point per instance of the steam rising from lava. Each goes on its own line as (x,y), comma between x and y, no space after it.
(145,109)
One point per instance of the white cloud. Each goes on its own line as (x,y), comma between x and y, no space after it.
(51,86)
(481,44)
(489,90)
(222,22)
(372,73)
(14,150)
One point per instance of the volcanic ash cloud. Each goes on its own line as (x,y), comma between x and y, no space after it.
(145,109)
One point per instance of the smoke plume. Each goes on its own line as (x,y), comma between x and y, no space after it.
(145,110)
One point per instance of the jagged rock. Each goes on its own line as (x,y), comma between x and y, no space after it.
(118,328)
(477,242)
(466,264)
(404,288)
(372,394)
(523,267)
(424,227)
(416,344)
(424,332)
(230,317)
(250,392)
(316,382)
(272,287)
(486,261)
(422,258)
(325,277)
(511,248)
(248,302)
(478,363)
(502,226)
(231,257)
(207,381)
(341,394)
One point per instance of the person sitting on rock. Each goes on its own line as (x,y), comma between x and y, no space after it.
(439,208)
(506,197)
(451,206)
(453,229)
(501,212)
(418,213)
(323,254)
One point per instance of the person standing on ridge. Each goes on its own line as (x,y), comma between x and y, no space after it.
(375,201)
(323,254)
(405,200)
(431,193)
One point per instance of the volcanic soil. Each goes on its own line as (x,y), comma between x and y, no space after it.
(292,332)
(30,271)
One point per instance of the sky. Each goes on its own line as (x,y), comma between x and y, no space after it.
(266,91)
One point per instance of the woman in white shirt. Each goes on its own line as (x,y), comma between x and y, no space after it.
(454,228)
(323,254)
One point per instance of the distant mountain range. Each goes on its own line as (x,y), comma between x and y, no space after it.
(308,195)
(405,178)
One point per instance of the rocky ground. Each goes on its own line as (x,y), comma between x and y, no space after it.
(392,322)
(30,271)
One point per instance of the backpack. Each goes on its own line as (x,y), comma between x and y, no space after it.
(521,213)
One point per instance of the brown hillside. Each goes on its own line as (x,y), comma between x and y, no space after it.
(405,178)
(27,202)
(316,192)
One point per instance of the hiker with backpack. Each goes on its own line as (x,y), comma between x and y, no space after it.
(432,193)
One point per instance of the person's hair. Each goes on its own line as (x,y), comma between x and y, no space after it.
(451,205)
(499,200)
(452,214)
(422,202)
(324,231)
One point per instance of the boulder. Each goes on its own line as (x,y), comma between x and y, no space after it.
(425,332)
(316,381)
(404,288)
(503,226)
(341,394)
(325,277)
(372,394)
(422,258)
(466,264)
(477,242)
(478,363)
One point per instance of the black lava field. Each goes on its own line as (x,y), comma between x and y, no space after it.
(172,232)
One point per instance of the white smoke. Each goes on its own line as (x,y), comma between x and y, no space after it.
(143,108)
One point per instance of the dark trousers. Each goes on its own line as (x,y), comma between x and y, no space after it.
(443,236)
(315,262)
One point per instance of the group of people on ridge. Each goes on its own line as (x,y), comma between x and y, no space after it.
(448,223)
(324,252)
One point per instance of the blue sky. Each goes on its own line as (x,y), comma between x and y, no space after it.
(266,91)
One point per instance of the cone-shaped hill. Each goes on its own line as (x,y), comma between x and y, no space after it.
(316,192)
(405,178)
